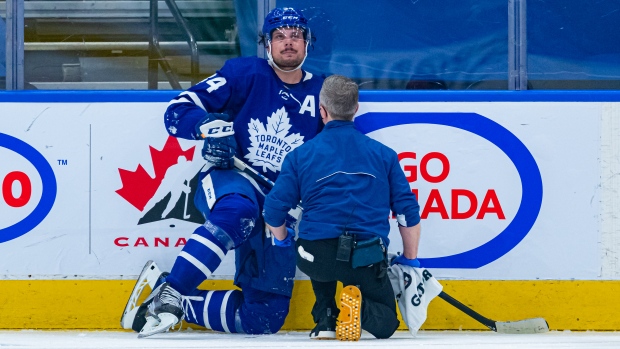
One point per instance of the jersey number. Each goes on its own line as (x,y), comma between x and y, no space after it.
(215,83)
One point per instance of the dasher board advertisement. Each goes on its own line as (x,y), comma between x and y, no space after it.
(507,190)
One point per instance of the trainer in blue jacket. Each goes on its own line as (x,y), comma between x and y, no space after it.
(347,184)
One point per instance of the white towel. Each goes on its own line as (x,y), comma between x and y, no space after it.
(414,288)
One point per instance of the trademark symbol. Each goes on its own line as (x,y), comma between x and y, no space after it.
(63,162)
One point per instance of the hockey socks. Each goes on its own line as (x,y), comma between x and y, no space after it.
(202,254)
(217,310)
(230,223)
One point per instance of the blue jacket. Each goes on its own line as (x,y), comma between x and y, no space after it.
(345,181)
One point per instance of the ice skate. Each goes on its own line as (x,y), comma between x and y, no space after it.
(139,317)
(349,326)
(164,311)
(133,315)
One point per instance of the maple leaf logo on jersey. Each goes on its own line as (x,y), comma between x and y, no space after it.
(271,143)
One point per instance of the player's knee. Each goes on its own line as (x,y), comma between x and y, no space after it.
(236,215)
(265,317)
(265,323)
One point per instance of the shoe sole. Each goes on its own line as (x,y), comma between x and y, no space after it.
(349,327)
(324,335)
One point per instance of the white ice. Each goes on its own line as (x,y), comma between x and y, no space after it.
(187,339)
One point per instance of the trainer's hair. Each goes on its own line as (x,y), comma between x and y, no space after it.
(339,96)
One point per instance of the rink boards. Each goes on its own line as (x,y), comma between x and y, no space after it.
(517,194)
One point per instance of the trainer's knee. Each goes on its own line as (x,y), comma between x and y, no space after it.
(236,216)
(387,331)
(379,320)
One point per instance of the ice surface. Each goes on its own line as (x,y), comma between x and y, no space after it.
(187,339)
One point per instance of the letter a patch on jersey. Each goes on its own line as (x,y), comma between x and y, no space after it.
(271,142)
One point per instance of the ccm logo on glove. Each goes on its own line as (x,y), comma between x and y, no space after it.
(217,129)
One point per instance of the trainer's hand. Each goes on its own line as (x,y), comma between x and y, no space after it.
(401,259)
(219,146)
(288,240)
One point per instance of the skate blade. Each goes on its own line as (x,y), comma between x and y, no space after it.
(166,321)
(151,322)
(349,327)
(148,276)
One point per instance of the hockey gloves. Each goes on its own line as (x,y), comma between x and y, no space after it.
(401,259)
(220,145)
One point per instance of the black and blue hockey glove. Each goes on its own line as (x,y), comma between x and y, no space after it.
(220,145)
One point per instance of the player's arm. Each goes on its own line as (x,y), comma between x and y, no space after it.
(198,113)
(190,107)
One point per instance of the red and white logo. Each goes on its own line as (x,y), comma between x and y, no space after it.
(168,193)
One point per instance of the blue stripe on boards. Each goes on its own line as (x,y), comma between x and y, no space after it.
(42,96)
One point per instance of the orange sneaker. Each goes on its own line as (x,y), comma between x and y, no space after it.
(349,327)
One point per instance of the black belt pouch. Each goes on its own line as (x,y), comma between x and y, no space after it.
(367,252)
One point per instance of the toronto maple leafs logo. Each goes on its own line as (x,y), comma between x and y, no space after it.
(271,143)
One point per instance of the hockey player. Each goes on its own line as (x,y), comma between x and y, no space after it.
(347,183)
(258,111)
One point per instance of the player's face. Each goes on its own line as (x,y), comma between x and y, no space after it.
(288,47)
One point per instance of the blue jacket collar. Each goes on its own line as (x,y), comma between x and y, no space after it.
(338,123)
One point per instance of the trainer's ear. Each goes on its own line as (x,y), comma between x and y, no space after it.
(323,113)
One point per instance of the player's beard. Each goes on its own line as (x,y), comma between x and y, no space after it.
(288,63)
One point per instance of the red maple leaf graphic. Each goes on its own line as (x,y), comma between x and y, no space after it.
(138,186)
